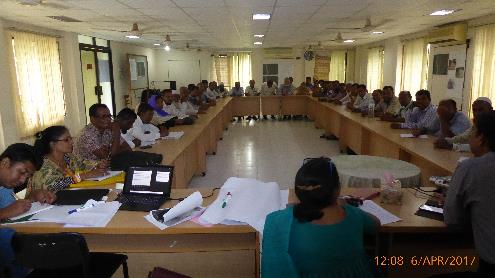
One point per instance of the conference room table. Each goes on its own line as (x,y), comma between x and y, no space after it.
(234,251)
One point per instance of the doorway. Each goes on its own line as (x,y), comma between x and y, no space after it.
(97,74)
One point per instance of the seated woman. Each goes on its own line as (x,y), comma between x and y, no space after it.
(60,167)
(321,236)
(17,165)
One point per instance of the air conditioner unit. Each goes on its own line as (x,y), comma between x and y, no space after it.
(450,33)
(278,53)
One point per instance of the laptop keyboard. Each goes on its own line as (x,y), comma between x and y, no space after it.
(140,200)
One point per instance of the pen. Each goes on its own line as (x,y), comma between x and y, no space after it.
(226,199)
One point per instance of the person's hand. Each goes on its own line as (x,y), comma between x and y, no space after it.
(43,196)
(17,208)
(350,200)
(163,131)
(93,173)
(102,152)
(395,125)
(115,127)
(417,132)
(338,102)
(136,142)
(441,143)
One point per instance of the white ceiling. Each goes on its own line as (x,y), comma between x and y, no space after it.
(229,24)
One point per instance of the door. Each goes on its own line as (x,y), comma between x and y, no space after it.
(96,68)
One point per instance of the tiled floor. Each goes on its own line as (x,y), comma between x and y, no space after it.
(268,150)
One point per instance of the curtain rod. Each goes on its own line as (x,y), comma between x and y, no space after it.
(33,32)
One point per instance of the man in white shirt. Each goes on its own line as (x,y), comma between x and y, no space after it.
(362,101)
(222,91)
(170,108)
(251,90)
(143,130)
(268,89)
(184,105)
(210,93)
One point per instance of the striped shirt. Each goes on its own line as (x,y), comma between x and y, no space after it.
(470,202)
(422,119)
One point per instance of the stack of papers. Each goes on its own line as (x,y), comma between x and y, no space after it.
(382,214)
(97,216)
(250,202)
(410,135)
(184,211)
(174,135)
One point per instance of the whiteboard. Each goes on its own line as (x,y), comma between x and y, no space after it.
(138,71)
(450,84)
(184,72)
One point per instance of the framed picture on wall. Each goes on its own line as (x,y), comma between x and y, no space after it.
(138,72)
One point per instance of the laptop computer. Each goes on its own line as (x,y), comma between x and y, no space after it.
(146,188)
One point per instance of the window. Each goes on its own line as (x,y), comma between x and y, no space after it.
(270,72)
(240,68)
(337,65)
(483,82)
(322,67)
(414,65)
(38,90)
(220,71)
(374,74)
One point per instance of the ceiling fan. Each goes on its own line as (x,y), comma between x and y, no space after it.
(43,3)
(134,33)
(340,39)
(368,27)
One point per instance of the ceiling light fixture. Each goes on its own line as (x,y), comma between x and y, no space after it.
(261,16)
(443,12)
(349,41)
(377,32)
(258,43)
(156,44)
(132,37)
(167,48)
(259,36)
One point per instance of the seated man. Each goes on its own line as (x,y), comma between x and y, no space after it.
(197,100)
(469,202)
(268,89)
(406,107)
(461,142)
(210,92)
(237,91)
(423,117)
(222,91)
(450,122)
(287,88)
(101,138)
(17,165)
(251,90)
(362,99)
(376,99)
(142,128)
(184,105)
(169,108)
(389,105)
(351,94)
(126,118)
(308,83)
(302,90)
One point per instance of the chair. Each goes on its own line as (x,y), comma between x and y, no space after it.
(64,255)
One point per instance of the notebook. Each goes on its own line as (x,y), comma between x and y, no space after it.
(107,176)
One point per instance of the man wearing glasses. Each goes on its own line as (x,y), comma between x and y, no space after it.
(101,138)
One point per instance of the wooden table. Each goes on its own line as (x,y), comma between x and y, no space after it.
(128,232)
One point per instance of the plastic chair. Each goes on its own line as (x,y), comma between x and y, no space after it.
(64,255)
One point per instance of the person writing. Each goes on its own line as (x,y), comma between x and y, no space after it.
(17,165)
(60,167)
(306,240)
(142,128)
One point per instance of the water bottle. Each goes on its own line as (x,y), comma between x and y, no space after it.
(371,109)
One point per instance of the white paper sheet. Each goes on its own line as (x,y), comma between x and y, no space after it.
(107,176)
(410,135)
(162,176)
(174,135)
(183,211)
(141,178)
(97,216)
(35,208)
(382,214)
(251,202)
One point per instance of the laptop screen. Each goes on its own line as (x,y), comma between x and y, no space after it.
(149,180)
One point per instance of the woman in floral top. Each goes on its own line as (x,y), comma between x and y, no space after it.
(60,168)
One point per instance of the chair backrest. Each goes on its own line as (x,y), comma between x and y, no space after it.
(51,251)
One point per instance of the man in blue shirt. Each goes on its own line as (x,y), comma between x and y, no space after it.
(450,122)
(423,117)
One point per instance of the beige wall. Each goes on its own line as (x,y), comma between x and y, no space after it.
(71,70)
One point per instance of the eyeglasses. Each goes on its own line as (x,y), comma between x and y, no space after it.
(68,139)
(108,116)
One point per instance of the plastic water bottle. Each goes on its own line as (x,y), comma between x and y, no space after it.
(371,109)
